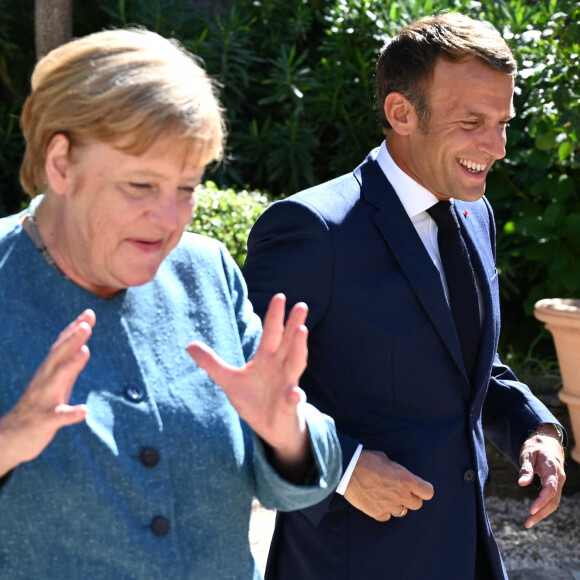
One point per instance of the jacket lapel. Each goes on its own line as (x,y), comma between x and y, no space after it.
(398,232)
(475,227)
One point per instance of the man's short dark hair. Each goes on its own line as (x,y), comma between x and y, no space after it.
(406,62)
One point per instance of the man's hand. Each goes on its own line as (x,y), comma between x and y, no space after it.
(381,488)
(543,454)
(43,409)
(265,391)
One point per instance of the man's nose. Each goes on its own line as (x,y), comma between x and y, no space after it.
(494,143)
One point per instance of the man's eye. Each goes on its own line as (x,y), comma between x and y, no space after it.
(135,185)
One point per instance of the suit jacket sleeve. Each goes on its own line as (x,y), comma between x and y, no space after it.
(511,412)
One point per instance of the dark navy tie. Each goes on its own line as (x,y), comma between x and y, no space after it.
(460,279)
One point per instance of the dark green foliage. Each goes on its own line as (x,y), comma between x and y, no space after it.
(297,82)
(536,191)
(16,63)
(298,86)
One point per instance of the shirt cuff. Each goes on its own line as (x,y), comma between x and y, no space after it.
(348,473)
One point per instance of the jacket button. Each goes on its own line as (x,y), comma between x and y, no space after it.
(149,457)
(160,526)
(134,394)
(469,476)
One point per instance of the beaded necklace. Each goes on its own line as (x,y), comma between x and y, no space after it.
(35,234)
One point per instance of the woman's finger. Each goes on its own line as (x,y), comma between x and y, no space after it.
(87,317)
(73,338)
(66,415)
(273,327)
(64,375)
(294,324)
(297,355)
(206,358)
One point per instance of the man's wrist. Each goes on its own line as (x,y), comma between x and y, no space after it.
(551,430)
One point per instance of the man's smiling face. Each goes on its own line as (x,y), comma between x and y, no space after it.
(470,105)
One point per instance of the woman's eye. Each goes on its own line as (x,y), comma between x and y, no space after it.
(138,189)
(187,193)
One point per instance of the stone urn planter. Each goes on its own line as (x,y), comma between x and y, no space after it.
(562,318)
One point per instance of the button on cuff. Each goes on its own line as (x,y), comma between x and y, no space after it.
(469,476)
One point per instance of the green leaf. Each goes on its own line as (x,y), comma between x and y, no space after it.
(540,159)
(553,214)
(563,188)
(570,276)
(571,229)
(559,257)
(546,141)
(509,228)
(540,251)
(564,150)
(540,187)
(531,226)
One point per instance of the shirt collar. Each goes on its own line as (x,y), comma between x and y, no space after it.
(414,197)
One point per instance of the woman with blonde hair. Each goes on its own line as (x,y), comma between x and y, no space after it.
(135,464)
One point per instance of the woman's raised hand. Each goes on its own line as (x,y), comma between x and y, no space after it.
(265,391)
(43,409)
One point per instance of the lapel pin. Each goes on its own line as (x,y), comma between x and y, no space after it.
(465,213)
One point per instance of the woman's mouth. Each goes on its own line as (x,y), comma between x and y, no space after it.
(149,246)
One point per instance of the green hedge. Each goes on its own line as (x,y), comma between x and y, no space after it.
(228,216)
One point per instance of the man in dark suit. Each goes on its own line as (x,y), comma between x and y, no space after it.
(396,262)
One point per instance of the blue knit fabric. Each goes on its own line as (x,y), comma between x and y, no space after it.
(83,509)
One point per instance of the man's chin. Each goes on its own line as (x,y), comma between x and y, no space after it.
(470,196)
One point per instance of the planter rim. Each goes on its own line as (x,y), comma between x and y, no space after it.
(559,306)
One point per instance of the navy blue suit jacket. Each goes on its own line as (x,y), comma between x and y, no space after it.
(385,363)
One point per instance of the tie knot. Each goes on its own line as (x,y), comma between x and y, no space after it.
(443,214)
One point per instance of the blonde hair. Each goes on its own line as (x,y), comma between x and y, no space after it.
(120,84)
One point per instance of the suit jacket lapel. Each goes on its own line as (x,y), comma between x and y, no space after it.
(474,219)
(396,228)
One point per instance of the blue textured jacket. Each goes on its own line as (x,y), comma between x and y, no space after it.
(158,482)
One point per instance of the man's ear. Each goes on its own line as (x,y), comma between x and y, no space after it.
(57,163)
(400,113)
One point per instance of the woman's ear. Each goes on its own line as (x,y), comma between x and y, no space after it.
(400,113)
(57,163)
